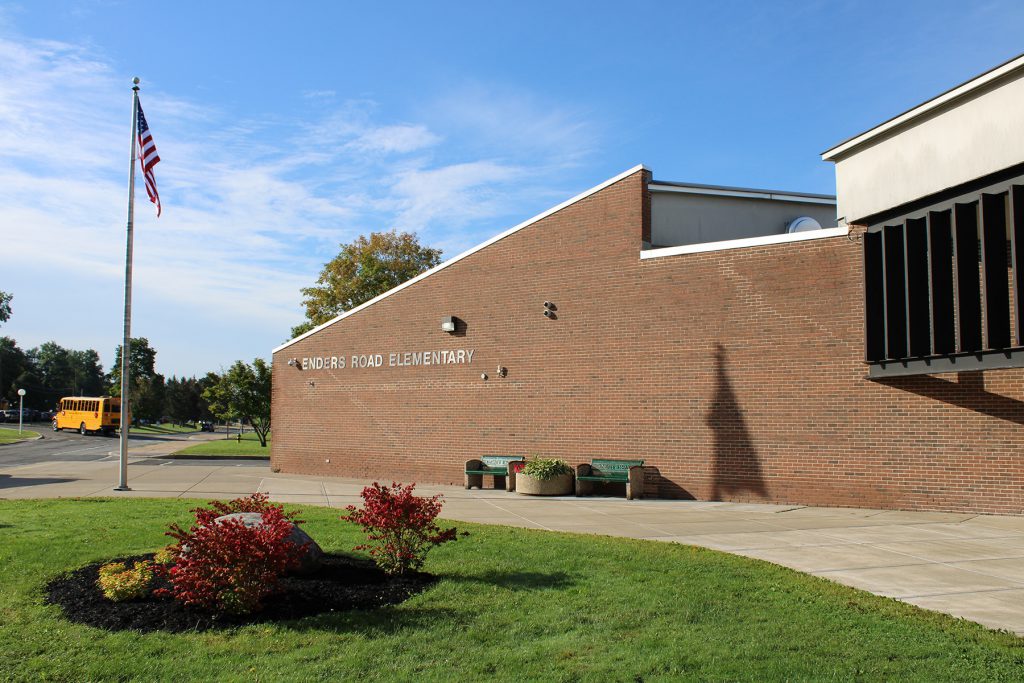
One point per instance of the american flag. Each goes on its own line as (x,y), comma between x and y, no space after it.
(148,158)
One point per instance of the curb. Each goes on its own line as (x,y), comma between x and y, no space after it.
(200,456)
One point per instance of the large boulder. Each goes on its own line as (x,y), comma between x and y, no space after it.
(310,559)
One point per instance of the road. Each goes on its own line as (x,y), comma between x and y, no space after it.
(73,447)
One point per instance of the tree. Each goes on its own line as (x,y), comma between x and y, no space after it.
(202,384)
(15,370)
(243,392)
(364,269)
(146,393)
(185,401)
(48,372)
(88,373)
(5,306)
(141,364)
(66,372)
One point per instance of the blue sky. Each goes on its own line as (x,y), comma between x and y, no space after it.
(287,128)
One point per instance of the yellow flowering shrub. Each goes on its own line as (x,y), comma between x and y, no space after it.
(120,583)
(164,556)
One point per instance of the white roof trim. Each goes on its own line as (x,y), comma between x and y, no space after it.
(934,103)
(745,242)
(469,252)
(744,193)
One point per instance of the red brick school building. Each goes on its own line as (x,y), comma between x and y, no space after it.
(736,340)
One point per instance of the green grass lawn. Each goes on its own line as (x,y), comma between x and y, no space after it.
(165,428)
(249,446)
(12,435)
(512,604)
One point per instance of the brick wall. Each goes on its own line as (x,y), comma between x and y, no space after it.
(736,375)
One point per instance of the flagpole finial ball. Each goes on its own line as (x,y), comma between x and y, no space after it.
(135,80)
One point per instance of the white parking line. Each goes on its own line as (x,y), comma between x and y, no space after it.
(78,450)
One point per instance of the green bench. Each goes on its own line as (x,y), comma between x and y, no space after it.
(628,472)
(493,466)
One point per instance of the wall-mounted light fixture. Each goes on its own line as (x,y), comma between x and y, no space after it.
(549,310)
(502,371)
(293,362)
(548,313)
(550,306)
(483,376)
(448,324)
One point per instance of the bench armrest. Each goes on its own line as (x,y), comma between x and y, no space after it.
(636,482)
(583,469)
(474,464)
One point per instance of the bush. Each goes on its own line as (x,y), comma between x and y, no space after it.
(545,468)
(256,502)
(120,583)
(164,556)
(228,566)
(399,525)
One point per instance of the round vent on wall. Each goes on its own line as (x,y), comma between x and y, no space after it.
(803,224)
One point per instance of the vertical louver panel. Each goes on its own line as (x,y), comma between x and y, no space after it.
(874,297)
(895,292)
(916,268)
(997,292)
(968,276)
(1017,252)
(940,253)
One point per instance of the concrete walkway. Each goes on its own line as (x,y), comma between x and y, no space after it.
(970,566)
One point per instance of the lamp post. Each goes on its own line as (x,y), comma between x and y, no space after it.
(21,407)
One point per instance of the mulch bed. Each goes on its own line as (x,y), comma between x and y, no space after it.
(341,584)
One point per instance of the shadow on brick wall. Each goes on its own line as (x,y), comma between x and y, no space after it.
(967,392)
(737,469)
(655,483)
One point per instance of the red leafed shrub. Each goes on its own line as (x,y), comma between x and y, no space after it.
(228,566)
(256,502)
(399,525)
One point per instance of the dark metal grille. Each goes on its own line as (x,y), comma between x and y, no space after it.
(942,285)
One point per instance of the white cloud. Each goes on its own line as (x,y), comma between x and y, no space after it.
(401,138)
(252,206)
(458,193)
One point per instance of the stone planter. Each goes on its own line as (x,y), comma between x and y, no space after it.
(531,486)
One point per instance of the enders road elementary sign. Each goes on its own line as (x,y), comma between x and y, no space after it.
(394,359)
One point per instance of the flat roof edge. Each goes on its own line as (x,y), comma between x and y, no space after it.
(744,242)
(469,252)
(748,192)
(954,93)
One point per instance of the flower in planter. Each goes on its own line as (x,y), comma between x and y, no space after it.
(545,468)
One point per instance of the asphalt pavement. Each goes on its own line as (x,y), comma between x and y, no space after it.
(67,446)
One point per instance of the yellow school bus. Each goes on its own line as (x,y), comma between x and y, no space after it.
(88,414)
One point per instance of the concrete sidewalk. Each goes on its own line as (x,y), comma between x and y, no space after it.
(970,566)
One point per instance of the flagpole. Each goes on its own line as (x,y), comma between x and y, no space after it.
(126,343)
